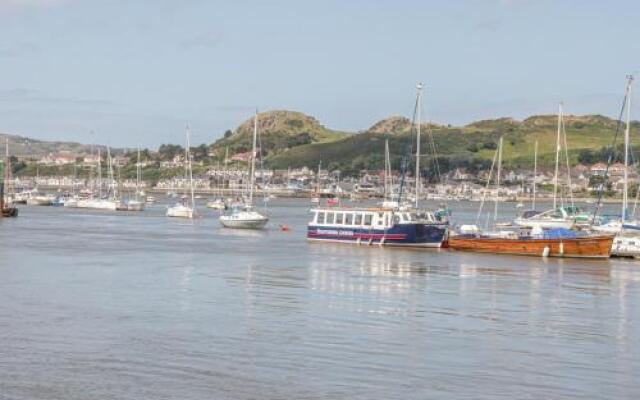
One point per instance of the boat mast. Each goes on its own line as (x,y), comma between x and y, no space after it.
(535,174)
(253,158)
(555,176)
(495,211)
(190,171)
(138,176)
(99,174)
(626,151)
(387,169)
(418,118)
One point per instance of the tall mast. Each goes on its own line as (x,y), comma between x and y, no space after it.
(495,211)
(386,169)
(555,176)
(253,157)
(418,120)
(188,160)
(138,175)
(535,174)
(99,174)
(626,151)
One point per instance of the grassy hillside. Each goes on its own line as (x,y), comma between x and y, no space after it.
(279,130)
(470,146)
(20,146)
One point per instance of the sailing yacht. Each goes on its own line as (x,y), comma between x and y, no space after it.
(246,217)
(558,216)
(182,209)
(6,207)
(627,231)
(388,201)
(135,203)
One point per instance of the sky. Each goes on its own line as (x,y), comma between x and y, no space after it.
(134,72)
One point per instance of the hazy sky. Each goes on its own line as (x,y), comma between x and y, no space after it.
(136,71)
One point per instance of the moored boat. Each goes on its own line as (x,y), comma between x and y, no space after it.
(575,246)
(375,226)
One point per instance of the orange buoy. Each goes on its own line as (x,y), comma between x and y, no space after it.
(284,228)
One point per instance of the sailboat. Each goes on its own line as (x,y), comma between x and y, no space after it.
(182,209)
(530,242)
(245,217)
(388,201)
(627,230)
(135,203)
(557,217)
(6,207)
(316,198)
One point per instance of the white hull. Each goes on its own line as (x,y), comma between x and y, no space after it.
(180,211)
(244,220)
(132,205)
(626,246)
(93,204)
(544,223)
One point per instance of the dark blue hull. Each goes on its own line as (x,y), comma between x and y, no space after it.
(408,235)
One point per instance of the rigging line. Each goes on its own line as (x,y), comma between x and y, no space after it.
(404,164)
(566,153)
(610,157)
(486,188)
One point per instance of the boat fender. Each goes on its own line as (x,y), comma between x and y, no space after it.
(561,248)
(370,241)
(382,241)
(358,241)
(545,251)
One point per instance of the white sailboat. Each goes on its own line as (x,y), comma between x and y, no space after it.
(316,198)
(557,217)
(136,203)
(388,200)
(627,240)
(182,209)
(246,217)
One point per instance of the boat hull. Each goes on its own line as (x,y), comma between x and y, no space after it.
(244,224)
(582,247)
(544,224)
(402,235)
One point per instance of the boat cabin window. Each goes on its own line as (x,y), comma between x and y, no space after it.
(368,218)
(358,219)
(320,217)
(339,218)
(348,219)
(396,218)
(330,217)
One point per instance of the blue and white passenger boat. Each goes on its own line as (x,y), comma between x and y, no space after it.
(381,226)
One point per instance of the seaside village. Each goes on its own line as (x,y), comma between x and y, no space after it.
(232,179)
(383,207)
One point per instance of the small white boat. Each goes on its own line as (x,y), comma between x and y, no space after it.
(97,204)
(217,204)
(40,200)
(244,219)
(131,205)
(180,210)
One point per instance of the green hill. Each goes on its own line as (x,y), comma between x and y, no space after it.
(279,131)
(470,146)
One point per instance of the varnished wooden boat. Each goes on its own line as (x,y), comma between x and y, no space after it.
(583,247)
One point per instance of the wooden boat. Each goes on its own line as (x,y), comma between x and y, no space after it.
(582,247)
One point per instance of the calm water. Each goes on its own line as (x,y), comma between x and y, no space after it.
(140,306)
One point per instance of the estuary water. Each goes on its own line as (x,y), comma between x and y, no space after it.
(98,305)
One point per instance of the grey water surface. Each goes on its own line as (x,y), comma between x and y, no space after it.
(99,305)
